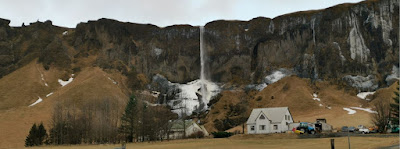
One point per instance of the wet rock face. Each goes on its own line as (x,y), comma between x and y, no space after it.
(349,39)
(328,44)
(172,51)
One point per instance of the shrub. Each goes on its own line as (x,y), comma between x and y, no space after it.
(259,98)
(198,134)
(221,134)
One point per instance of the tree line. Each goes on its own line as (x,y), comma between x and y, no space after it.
(103,121)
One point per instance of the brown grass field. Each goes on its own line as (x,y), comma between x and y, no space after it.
(281,141)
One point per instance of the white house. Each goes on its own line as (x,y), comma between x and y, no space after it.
(269,120)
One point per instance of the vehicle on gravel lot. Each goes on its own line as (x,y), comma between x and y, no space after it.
(352,129)
(345,129)
(305,127)
(362,129)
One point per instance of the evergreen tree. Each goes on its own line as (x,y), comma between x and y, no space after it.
(395,107)
(41,134)
(36,136)
(30,139)
(129,119)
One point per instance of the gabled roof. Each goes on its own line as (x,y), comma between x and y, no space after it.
(178,124)
(274,114)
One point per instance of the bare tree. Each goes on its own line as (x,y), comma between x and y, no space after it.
(382,118)
(92,122)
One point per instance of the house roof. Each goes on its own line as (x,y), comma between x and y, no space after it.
(275,114)
(178,124)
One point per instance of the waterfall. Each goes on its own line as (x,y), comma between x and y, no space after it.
(203,79)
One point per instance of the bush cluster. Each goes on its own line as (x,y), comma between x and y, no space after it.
(221,134)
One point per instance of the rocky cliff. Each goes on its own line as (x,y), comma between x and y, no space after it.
(353,42)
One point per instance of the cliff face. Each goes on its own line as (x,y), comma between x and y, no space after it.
(349,39)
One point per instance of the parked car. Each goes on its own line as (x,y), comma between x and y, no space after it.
(394,128)
(373,129)
(352,129)
(345,129)
(362,129)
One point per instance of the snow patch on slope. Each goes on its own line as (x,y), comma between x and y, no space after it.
(64,83)
(36,102)
(363,95)
(350,111)
(315,97)
(365,109)
(48,95)
(113,81)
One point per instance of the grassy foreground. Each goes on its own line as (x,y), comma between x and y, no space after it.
(253,142)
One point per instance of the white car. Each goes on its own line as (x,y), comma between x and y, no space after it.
(363,129)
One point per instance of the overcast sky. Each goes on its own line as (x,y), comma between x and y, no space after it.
(69,13)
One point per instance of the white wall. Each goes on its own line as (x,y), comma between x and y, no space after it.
(249,131)
(269,128)
(260,122)
(286,121)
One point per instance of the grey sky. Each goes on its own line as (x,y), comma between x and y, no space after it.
(162,13)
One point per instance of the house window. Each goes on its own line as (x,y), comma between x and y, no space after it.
(275,127)
(288,117)
(285,117)
(262,117)
(262,127)
(252,128)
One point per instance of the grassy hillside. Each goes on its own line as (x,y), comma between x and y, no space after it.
(21,88)
(297,94)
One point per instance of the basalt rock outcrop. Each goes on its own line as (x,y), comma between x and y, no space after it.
(345,40)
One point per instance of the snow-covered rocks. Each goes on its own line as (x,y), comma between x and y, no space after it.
(271,78)
(258,87)
(185,98)
(36,102)
(158,51)
(277,75)
(394,76)
(367,83)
